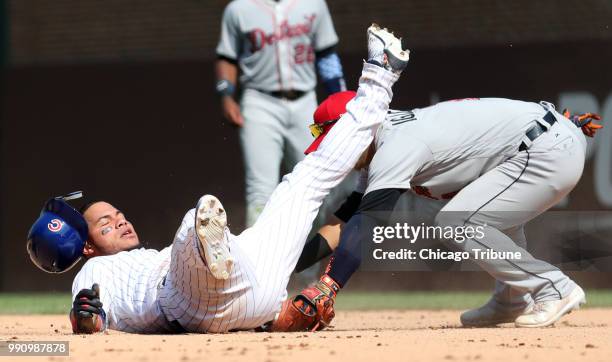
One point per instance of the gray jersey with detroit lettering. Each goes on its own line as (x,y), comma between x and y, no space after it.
(438,150)
(274,41)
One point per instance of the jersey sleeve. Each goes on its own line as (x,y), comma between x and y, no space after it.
(229,40)
(325,35)
(395,163)
(96,270)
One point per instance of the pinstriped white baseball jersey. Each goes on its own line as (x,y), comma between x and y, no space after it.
(129,285)
(274,41)
(265,254)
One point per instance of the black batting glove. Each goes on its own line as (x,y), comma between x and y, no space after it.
(87,315)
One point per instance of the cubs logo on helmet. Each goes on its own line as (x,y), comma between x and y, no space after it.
(55,225)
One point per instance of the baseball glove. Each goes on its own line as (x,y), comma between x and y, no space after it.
(585,122)
(311,310)
(87,315)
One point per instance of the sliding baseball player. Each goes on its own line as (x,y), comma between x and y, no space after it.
(210,280)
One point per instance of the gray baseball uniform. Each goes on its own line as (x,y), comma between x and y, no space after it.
(470,151)
(274,44)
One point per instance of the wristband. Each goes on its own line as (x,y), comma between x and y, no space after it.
(225,88)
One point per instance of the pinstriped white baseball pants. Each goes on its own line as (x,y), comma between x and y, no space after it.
(266,254)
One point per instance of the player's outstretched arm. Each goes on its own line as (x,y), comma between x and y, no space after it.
(87,315)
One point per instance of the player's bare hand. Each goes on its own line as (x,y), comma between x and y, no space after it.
(87,315)
(231,111)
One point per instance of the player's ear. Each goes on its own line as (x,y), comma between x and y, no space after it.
(89,249)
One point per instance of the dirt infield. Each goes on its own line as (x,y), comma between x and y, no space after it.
(358,336)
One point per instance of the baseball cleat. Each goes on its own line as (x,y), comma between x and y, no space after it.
(385,49)
(491,314)
(547,313)
(210,223)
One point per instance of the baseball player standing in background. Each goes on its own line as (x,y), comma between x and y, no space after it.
(274,47)
(501,163)
(210,280)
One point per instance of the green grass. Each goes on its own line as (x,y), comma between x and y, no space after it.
(409,300)
(59,303)
(439,300)
(35,303)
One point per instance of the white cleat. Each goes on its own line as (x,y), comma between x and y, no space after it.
(491,315)
(385,49)
(547,313)
(210,223)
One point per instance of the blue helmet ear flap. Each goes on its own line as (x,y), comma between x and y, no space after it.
(56,239)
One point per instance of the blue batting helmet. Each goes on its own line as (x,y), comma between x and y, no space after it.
(56,240)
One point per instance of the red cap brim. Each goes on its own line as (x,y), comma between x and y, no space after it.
(314,145)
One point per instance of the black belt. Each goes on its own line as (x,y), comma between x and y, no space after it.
(537,130)
(290,95)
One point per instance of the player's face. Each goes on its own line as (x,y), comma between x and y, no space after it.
(109,231)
